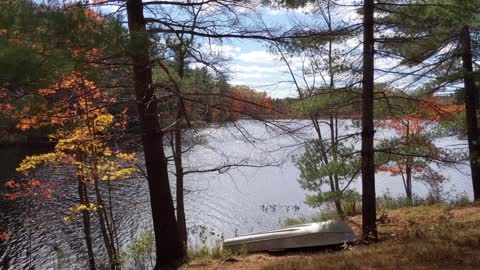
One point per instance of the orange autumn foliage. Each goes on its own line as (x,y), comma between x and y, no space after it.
(78,110)
(248,102)
(29,189)
(72,97)
(84,23)
(412,130)
(4,236)
(429,112)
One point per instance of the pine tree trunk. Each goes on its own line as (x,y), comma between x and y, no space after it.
(367,152)
(471,97)
(168,247)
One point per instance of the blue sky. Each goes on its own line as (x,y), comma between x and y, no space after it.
(253,65)
(250,63)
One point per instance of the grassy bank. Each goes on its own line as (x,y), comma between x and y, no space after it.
(438,236)
(385,203)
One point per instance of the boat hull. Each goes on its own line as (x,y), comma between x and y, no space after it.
(332,232)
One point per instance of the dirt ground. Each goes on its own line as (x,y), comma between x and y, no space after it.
(416,237)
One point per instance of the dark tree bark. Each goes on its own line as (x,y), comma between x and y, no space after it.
(471,96)
(181,220)
(368,164)
(106,228)
(82,192)
(408,184)
(168,247)
(334,185)
(408,171)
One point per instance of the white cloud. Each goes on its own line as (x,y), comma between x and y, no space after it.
(220,49)
(196,65)
(256,69)
(257,57)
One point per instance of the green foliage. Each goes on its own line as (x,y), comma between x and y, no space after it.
(215,252)
(205,89)
(459,96)
(456,126)
(315,173)
(351,202)
(203,252)
(327,102)
(384,202)
(430,32)
(392,102)
(388,202)
(460,200)
(40,44)
(417,148)
(21,63)
(141,253)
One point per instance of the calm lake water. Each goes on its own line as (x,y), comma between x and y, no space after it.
(258,195)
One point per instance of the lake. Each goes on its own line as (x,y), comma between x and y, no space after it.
(258,194)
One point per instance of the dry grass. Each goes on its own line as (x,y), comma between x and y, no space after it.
(424,237)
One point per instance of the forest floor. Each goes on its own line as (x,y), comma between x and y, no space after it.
(424,237)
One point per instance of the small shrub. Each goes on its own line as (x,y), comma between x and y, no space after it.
(387,201)
(351,203)
(460,200)
(216,252)
(206,253)
(141,253)
(203,252)
(243,251)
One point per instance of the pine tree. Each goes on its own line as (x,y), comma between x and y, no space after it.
(437,36)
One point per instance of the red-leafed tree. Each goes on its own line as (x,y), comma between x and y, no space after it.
(247,102)
(411,153)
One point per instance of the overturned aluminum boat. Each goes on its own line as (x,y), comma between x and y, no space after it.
(332,232)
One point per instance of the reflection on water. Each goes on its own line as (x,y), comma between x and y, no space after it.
(225,203)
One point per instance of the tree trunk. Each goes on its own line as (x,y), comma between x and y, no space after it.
(110,213)
(105,228)
(335,186)
(181,221)
(168,247)
(331,178)
(408,184)
(471,96)
(367,152)
(82,192)
(408,169)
